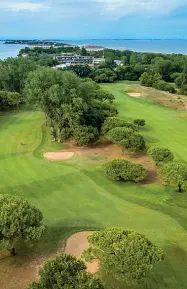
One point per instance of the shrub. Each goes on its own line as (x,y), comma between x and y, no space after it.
(124,254)
(83,135)
(160,154)
(134,142)
(163,85)
(119,133)
(113,122)
(123,170)
(139,122)
(183,89)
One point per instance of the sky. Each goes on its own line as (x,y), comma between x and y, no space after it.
(86,19)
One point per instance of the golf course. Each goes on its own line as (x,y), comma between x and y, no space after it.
(75,195)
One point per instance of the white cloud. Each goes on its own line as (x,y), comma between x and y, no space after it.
(118,8)
(23,6)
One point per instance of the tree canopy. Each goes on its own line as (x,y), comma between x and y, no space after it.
(68,102)
(174,174)
(66,272)
(124,254)
(160,154)
(123,170)
(19,220)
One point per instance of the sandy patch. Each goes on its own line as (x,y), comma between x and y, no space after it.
(134,94)
(75,246)
(58,156)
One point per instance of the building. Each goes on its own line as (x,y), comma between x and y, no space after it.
(75,59)
(118,62)
(93,48)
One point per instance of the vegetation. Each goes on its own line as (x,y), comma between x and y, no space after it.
(175,174)
(66,272)
(69,103)
(134,142)
(154,69)
(160,154)
(139,122)
(125,254)
(9,100)
(123,170)
(117,134)
(113,122)
(19,220)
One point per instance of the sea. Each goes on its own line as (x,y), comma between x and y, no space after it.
(149,45)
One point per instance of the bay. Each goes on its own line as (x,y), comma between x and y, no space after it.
(162,46)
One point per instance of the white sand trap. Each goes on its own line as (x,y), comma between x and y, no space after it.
(134,94)
(75,246)
(58,156)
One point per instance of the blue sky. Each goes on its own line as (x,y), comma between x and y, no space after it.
(70,19)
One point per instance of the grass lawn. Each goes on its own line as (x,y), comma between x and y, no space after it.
(74,196)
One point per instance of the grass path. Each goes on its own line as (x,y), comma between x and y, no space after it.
(76,197)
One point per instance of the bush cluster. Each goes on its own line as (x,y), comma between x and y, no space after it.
(123,170)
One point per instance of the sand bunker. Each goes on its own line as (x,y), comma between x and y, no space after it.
(134,94)
(75,246)
(58,156)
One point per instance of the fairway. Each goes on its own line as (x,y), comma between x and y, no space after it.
(75,196)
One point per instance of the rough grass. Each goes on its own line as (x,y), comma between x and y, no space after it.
(75,197)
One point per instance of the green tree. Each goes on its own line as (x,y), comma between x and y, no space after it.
(134,142)
(113,122)
(9,99)
(160,154)
(83,135)
(19,221)
(119,133)
(13,73)
(124,254)
(123,170)
(174,174)
(67,100)
(66,272)
(139,122)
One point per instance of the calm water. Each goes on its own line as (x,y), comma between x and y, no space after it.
(9,50)
(163,46)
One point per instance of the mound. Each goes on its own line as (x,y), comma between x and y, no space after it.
(58,156)
(134,94)
(75,246)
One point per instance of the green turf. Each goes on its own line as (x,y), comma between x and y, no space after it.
(74,196)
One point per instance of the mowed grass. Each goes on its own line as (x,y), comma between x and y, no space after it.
(164,126)
(75,197)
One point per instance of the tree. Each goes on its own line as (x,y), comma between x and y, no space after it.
(123,170)
(66,272)
(103,75)
(13,73)
(19,221)
(119,133)
(113,122)
(125,254)
(160,154)
(9,99)
(164,67)
(134,142)
(148,78)
(67,101)
(174,174)
(139,122)
(83,135)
